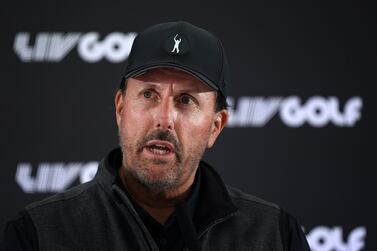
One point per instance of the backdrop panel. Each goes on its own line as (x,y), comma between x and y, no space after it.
(302,131)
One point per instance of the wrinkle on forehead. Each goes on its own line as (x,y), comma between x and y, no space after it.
(179,80)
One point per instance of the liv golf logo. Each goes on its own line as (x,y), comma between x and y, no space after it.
(54,47)
(53,177)
(323,238)
(317,111)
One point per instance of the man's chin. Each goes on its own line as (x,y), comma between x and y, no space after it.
(157,179)
(160,162)
(158,185)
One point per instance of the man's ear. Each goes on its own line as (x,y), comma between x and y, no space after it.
(217,126)
(119,106)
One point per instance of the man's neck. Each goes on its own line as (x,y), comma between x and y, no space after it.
(159,204)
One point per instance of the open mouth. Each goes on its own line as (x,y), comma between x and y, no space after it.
(159,147)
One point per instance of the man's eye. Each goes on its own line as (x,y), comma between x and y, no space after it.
(147,94)
(186,100)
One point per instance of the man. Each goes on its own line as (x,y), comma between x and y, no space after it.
(155,193)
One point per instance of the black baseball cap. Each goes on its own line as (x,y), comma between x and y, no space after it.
(183,46)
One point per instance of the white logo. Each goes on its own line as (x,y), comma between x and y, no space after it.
(316,111)
(324,238)
(176,43)
(53,177)
(53,47)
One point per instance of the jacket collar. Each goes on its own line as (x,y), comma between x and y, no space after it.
(214,202)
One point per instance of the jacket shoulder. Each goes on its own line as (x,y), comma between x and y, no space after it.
(242,200)
(68,197)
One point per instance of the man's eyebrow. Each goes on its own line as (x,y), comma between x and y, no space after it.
(188,90)
(193,89)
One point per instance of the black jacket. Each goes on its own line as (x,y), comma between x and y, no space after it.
(98,215)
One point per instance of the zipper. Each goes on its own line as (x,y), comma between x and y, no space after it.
(214,223)
(147,237)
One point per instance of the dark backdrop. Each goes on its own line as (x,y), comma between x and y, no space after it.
(303,87)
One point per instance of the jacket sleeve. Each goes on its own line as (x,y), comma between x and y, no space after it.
(20,234)
(291,233)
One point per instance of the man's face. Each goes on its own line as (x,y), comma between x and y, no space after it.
(166,120)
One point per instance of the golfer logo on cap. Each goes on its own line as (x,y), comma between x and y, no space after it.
(176,44)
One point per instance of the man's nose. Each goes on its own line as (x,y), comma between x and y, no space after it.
(166,114)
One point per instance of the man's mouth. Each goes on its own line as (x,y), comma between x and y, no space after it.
(159,147)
